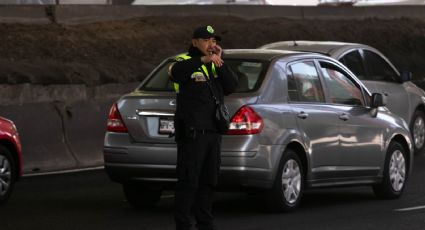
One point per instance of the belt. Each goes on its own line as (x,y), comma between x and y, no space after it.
(204,131)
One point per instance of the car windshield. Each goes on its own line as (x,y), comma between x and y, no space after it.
(249,72)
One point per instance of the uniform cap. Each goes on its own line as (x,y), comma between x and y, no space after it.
(205,32)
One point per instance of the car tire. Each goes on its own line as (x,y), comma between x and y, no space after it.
(288,187)
(141,197)
(395,173)
(8,172)
(417,129)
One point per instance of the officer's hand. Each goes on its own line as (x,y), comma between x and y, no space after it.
(217,60)
(218,50)
(214,58)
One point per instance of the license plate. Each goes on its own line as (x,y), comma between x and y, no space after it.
(166,125)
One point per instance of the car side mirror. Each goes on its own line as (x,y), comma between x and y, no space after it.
(378,100)
(405,76)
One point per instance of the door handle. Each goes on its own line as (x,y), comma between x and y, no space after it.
(302,115)
(344,117)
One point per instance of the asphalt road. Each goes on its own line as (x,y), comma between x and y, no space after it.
(88,200)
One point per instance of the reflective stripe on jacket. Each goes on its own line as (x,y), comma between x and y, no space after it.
(201,71)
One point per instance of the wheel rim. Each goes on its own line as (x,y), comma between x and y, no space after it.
(5,175)
(419,132)
(291,181)
(397,170)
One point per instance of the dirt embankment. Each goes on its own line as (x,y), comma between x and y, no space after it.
(126,51)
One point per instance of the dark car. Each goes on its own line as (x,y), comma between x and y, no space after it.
(10,158)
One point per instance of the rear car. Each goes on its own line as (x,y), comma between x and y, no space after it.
(299,120)
(378,74)
(10,158)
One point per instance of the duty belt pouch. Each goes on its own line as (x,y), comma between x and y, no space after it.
(179,131)
(222,117)
(191,133)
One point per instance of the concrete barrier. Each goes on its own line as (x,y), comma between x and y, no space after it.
(66,14)
(361,13)
(75,14)
(41,132)
(80,14)
(61,127)
(60,136)
(32,93)
(85,126)
(395,12)
(186,10)
(112,91)
(23,14)
(334,13)
(86,14)
(262,12)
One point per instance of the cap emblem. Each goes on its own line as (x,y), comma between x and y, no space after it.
(210,29)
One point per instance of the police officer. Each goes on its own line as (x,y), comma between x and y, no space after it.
(197,137)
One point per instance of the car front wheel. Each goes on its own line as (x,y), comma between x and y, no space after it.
(417,128)
(141,197)
(8,172)
(395,173)
(288,188)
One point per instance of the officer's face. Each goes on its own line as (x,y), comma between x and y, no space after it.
(206,46)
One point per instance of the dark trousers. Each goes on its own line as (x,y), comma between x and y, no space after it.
(198,162)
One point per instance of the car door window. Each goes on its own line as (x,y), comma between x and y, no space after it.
(353,60)
(341,88)
(378,69)
(304,84)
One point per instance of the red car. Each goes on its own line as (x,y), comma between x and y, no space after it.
(10,158)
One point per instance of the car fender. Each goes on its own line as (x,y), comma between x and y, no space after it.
(416,98)
(394,135)
(295,142)
(9,137)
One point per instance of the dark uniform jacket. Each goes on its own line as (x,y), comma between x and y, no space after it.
(195,104)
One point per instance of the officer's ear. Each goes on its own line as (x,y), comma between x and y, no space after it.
(195,43)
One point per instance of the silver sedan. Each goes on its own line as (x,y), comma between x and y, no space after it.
(378,74)
(299,120)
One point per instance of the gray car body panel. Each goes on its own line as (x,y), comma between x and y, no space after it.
(412,96)
(253,160)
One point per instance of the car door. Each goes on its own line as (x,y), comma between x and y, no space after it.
(380,77)
(361,135)
(386,81)
(353,60)
(317,124)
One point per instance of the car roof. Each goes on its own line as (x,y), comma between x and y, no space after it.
(5,120)
(323,47)
(262,54)
(266,55)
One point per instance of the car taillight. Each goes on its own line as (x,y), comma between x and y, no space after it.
(245,121)
(115,123)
